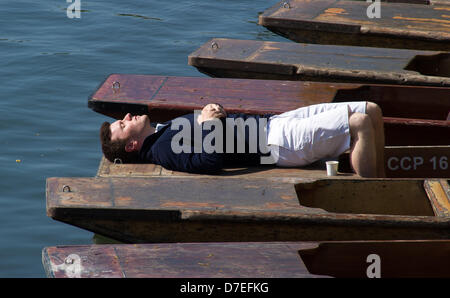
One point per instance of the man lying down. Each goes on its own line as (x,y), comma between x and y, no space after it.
(206,141)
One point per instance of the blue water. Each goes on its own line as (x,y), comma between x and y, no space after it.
(50,64)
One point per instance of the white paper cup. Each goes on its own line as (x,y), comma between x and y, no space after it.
(332,167)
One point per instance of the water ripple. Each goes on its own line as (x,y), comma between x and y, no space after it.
(138,16)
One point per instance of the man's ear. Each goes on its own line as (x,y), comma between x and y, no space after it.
(131,146)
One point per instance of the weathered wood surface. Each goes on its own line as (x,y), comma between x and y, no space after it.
(438,192)
(424,2)
(180,260)
(400,162)
(317,170)
(205,209)
(440,2)
(164,98)
(404,26)
(250,59)
(249,260)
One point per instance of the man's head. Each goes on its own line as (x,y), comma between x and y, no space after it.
(124,138)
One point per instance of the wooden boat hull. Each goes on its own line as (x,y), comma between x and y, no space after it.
(404,26)
(183,209)
(249,59)
(164,98)
(417,161)
(249,260)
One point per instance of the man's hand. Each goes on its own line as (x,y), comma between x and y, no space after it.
(211,111)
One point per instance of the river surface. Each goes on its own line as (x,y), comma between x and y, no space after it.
(50,64)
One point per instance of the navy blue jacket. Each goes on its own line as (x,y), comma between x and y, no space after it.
(157,149)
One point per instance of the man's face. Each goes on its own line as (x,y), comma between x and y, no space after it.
(129,126)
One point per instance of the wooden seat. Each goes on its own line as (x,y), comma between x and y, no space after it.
(396,259)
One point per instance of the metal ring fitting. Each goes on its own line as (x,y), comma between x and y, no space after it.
(214,45)
(115,85)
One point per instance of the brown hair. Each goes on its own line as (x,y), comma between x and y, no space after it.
(115,149)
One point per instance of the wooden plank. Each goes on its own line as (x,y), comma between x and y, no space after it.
(181,95)
(181,209)
(440,2)
(177,96)
(181,260)
(425,2)
(404,26)
(400,162)
(439,194)
(233,58)
(81,261)
(249,260)
(317,170)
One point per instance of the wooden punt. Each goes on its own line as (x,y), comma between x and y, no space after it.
(234,58)
(410,111)
(242,207)
(397,259)
(404,26)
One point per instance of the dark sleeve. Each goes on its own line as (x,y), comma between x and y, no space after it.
(201,163)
